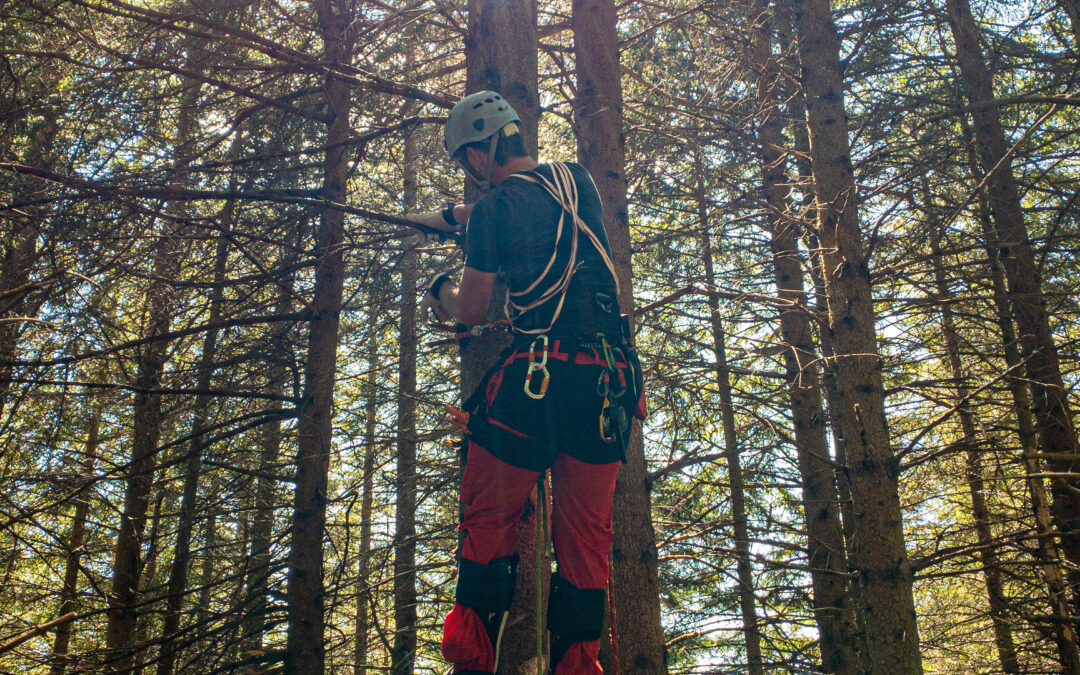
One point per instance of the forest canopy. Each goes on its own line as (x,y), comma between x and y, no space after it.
(847,233)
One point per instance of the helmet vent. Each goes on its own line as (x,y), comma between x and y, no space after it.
(478,125)
(477,105)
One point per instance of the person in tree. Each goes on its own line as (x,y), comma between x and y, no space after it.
(559,399)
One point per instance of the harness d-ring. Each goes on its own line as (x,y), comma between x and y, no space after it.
(535,366)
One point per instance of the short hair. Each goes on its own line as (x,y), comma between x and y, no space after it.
(509,147)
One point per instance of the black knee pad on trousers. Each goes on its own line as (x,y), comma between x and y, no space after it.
(488,590)
(574,615)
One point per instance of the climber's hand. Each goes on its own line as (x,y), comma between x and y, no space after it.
(431,303)
(435,226)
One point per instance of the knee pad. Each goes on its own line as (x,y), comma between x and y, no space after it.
(488,590)
(574,615)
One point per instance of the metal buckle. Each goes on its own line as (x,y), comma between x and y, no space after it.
(535,366)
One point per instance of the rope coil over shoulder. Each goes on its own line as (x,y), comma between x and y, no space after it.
(563,189)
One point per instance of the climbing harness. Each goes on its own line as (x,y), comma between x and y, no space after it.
(538,366)
(611,386)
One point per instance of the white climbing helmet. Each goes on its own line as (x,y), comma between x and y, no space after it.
(478,117)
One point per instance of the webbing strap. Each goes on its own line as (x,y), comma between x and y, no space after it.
(563,189)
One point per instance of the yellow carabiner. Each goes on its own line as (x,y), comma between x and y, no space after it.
(535,366)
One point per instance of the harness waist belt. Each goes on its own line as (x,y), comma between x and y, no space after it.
(586,315)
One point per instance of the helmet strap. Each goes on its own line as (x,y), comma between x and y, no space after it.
(485,185)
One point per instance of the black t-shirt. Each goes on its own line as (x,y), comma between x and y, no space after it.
(513,229)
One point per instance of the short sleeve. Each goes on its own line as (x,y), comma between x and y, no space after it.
(481,248)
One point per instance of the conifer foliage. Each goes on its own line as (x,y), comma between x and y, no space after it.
(847,233)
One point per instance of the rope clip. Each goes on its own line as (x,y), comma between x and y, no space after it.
(540,366)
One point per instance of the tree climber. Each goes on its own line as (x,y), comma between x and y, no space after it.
(559,398)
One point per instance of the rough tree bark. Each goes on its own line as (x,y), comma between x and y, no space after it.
(1054,426)
(148,598)
(500,54)
(305,651)
(877,552)
(598,118)
(403,655)
(806,217)
(825,537)
(146,432)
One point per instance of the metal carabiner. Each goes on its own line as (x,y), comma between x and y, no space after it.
(540,366)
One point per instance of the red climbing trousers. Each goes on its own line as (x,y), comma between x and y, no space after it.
(514,435)
(495,494)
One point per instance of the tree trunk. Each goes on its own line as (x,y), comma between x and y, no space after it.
(362,655)
(744,569)
(598,118)
(1072,10)
(825,537)
(262,518)
(877,555)
(19,237)
(403,656)
(806,218)
(178,572)
(980,512)
(144,442)
(500,54)
(305,652)
(1057,436)
(69,594)
(1049,558)
(148,596)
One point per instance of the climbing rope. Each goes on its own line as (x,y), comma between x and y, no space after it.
(457,334)
(541,545)
(563,189)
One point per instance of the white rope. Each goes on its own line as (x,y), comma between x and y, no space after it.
(563,189)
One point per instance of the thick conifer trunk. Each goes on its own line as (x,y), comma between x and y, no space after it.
(598,115)
(500,54)
(825,538)
(1054,426)
(262,518)
(146,432)
(1048,555)
(877,554)
(305,650)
